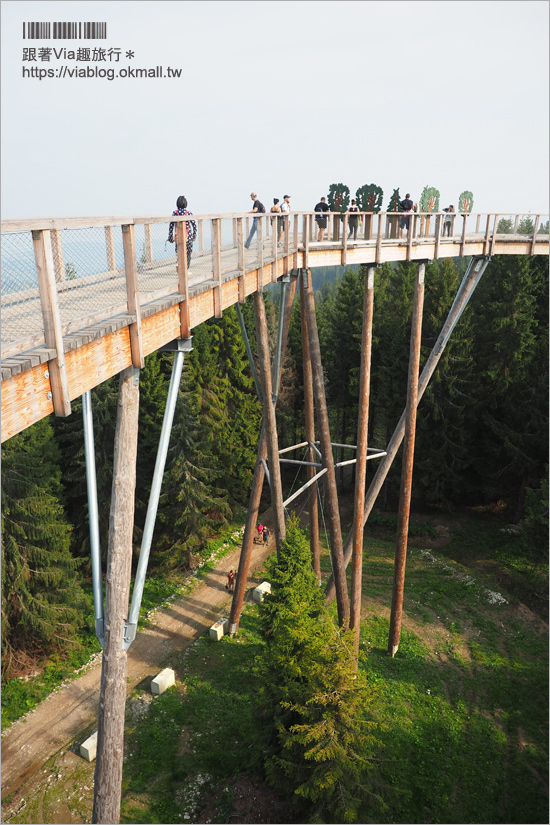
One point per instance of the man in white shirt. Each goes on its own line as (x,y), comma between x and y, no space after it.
(285,209)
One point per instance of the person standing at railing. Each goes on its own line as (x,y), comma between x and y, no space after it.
(189,226)
(285,209)
(279,223)
(322,207)
(448,221)
(407,208)
(257,208)
(353,219)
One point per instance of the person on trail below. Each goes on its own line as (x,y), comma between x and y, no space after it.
(265,534)
(230,581)
(260,529)
(190,227)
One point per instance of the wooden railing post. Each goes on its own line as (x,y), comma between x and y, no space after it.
(379,239)
(57,252)
(132,293)
(535,229)
(200,233)
(53,336)
(148,243)
(344,257)
(274,249)
(110,247)
(240,260)
(217,265)
(493,239)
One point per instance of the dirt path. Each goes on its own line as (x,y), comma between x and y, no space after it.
(71,712)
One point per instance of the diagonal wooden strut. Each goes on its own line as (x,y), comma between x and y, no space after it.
(469,282)
(256,490)
(333,514)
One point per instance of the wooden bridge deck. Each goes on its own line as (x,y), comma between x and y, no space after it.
(83,328)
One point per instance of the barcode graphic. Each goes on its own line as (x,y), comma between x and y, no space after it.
(65,31)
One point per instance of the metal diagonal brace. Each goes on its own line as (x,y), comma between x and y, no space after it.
(93,519)
(130,626)
(249,352)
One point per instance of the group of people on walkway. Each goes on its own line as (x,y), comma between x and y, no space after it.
(278,208)
(407,206)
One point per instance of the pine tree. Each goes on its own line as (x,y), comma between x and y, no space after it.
(324,742)
(42,598)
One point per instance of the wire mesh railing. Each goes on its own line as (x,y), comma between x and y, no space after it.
(89,273)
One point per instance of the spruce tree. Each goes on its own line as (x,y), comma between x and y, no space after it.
(42,597)
(324,743)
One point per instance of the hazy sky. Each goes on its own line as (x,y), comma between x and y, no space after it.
(277,97)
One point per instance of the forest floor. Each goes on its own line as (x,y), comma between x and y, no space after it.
(51,733)
(469,655)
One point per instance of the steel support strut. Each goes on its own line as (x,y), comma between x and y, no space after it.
(130,627)
(93,517)
(475,270)
(361,458)
(408,462)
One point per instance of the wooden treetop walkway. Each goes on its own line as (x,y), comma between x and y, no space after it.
(84,298)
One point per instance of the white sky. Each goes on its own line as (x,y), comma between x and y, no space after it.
(280,98)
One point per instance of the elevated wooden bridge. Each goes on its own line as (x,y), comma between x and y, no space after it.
(84,298)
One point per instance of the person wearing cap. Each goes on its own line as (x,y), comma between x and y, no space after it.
(285,209)
(257,208)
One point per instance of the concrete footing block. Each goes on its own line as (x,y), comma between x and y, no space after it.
(218,629)
(259,592)
(165,679)
(88,749)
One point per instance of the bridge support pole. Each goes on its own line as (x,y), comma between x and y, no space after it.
(93,518)
(361,460)
(408,462)
(469,282)
(335,530)
(112,700)
(309,415)
(256,491)
(269,420)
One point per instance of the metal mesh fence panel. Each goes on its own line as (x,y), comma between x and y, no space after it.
(20,302)
(87,284)
(156,260)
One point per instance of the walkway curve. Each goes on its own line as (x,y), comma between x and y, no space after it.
(71,711)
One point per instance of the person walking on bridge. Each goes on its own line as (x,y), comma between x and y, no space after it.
(353,219)
(322,208)
(285,209)
(448,221)
(257,208)
(407,208)
(190,227)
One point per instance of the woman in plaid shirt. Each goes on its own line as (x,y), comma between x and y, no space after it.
(190,227)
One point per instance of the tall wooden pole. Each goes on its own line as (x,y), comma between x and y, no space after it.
(333,514)
(469,282)
(361,461)
(112,700)
(270,423)
(256,491)
(309,415)
(407,468)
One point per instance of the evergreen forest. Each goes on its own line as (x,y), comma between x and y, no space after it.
(481,447)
